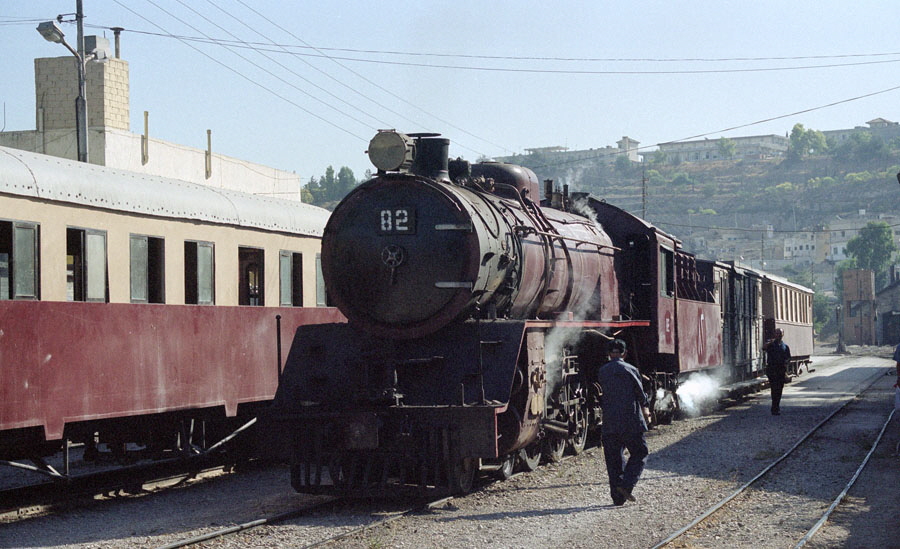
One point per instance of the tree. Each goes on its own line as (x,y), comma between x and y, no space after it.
(315,191)
(727,148)
(806,142)
(872,249)
(623,164)
(345,182)
(329,185)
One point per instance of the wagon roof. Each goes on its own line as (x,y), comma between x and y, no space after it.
(40,176)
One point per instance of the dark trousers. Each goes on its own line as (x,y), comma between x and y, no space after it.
(776,377)
(614,446)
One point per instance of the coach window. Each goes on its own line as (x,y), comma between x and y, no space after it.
(321,291)
(251,289)
(86,276)
(666,273)
(199,273)
(147,270)
(18,260)
(291,279)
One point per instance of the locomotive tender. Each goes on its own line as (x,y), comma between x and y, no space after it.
(477,316)
(140,311)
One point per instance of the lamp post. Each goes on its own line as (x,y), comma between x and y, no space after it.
(52,33)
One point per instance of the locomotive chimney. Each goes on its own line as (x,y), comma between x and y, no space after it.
(431,158)
(565,200)
(548,189)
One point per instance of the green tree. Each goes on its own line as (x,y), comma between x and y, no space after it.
(623,164)
(315,191)
(806,142)
(727,148)
(329,185)
(345,182)
(872,249)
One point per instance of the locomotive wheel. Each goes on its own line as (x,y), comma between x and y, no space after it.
(462,476)
(507,466)
(554,448)
(530,456)
(578,441)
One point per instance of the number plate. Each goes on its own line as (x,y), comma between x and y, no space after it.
(396,221)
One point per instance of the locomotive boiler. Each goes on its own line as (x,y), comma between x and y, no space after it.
(453,278)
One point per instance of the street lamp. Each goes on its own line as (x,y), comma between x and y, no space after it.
(52,33)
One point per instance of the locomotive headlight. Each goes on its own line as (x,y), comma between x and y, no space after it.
(391,151)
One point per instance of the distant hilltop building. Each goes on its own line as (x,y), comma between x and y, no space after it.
(754,147)
(110,140)
(557,154)
(878,127)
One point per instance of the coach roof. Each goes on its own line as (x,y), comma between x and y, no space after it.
(46,177)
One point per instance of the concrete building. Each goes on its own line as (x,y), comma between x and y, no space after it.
(111,142)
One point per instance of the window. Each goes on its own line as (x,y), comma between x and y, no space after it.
(321,290)
(199,273)
(86,276)
(147,269)
(251,286)
(666,273)
(290,279)
(19,260)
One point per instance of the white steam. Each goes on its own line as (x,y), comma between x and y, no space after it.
(698,392)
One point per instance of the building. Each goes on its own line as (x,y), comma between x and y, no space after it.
(558,154)
(878,127)
(887,305)
(859,307)
(752,147)
(111,142)
(842,230)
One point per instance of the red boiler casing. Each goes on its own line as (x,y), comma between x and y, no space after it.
(404,255)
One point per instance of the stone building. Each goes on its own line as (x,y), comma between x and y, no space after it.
(111,142)
(859,307)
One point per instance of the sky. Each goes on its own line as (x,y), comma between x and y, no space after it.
(303,85)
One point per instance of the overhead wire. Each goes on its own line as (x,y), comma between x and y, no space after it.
(322,49)
(285,67)
(258,66)
(382,88)
(247,78)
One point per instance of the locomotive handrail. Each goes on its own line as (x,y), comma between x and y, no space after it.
(529,230)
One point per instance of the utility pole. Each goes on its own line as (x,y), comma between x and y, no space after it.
(762,249)
(644,193)
(81,122)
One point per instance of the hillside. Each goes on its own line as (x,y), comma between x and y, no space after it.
(787,194)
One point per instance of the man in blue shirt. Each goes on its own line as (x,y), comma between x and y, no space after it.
(897,363)
(778,356)
(625,415)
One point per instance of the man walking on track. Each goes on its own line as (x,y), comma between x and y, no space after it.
(778,356)
(625,415)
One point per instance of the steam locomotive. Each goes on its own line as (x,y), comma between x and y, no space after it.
(478,314)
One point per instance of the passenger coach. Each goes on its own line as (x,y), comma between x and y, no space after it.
(139,309)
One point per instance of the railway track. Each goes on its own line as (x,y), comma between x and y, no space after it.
(326,535)
(29,500)
(802,489)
